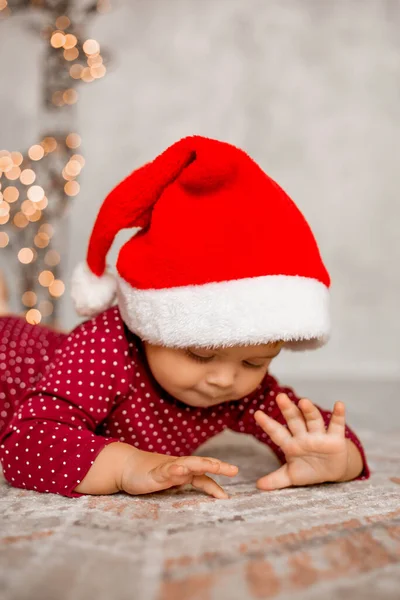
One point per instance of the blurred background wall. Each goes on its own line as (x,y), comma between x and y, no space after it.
(309,88)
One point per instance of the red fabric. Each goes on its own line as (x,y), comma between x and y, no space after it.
(93,387)
(194,202)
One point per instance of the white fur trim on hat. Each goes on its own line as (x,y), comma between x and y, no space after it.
(248,311)
(92,294)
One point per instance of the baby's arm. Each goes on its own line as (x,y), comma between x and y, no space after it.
(121,467)
(51,442)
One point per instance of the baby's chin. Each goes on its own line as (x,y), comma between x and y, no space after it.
(197,400)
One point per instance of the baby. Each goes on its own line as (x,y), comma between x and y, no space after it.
(223,274)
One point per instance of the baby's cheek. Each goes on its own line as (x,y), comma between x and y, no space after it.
(182,377)
(252,381)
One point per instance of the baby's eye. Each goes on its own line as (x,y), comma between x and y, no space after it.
(251,365)
(198,357)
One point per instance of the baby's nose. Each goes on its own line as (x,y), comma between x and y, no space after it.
(222,377)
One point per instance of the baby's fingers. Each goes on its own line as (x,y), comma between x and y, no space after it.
(277,432)
(209,486)
(337,424)
(199,465)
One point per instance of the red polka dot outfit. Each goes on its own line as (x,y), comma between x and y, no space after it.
(63,398)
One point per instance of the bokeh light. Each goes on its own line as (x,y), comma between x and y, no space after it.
(29,299)
(25,255)
(33,316)
(57,288)
(46,278)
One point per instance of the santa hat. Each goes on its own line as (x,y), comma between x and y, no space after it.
(224,257)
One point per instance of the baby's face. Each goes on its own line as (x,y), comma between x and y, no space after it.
(202,377)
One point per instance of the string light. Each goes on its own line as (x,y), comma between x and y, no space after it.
(72,188)
(20,220)
(63,22)
(24,201)
(11,194)
(73,140)
(91,47)
(33,316)
(27,176)
(46,308)
(17,158)
(35,193)
(4,239)
(29,299)
(36,152)
(25,255)
(57,288)
(52,258)
(57,40)
(13,173)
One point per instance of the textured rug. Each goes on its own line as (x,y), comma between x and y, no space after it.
(327,541)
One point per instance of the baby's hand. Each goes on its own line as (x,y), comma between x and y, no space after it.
(313,453)
(147,472)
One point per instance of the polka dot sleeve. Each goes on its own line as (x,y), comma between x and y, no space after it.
(51,442)
(264,399)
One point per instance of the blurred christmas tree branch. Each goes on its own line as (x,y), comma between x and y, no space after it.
(37,185)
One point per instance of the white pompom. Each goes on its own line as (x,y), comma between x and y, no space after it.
(92,294)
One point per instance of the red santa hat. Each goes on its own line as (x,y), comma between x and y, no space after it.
(223,256)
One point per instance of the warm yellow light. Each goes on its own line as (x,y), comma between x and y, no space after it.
(36,152)
(98,72)
(11,194)
(20,220)
(3,4)
(73,168)
(33,316)
(72,188)
(52,258)
(35,217)
(76,71)
(49,144)
(86,75)
(4,208)
(42,204)
(35,193)
(57,99)
(79,158)
(46,278)
(66,176)
(91,47)
(5,219)
(71,54)
(28,208)
(95,61)
(46,308)
(13,173)
(4,239)
(47,228)
(73,140)
(57,288)
(17,158)
(25,256)
(27,176)
(63,22)
(70,96)
(70,41)
(57,39)
(29,299)
(41,240)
